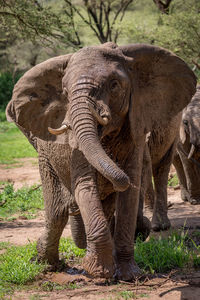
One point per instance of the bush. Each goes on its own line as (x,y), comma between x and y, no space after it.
(7,83)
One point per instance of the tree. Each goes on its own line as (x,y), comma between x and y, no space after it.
(22,21)
(30,20)
(163,6)
(180,32)
(101,16)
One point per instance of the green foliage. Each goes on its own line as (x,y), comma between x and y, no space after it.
(2,115)
(4,245)
(69,249)
(7,83)
(13,144)
(127,295)
(31,20)
(184,22)
(179,31)
(173,181)
(26,201)
(16,267)
(165,254)
(102,17)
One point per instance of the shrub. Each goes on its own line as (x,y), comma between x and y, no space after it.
(7,83)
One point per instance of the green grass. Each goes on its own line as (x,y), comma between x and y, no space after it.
(16,269)
(25,201)
(156,255)
(69,249)
(173,181)
(13,144)
(4,245)
(164,254)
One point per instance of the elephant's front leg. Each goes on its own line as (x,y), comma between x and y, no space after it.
(98,260)
(56,198)
(126,217)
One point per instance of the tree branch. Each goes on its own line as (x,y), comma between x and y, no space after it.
(163,7)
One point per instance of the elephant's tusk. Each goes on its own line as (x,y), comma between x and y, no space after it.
(191,151)
(102,120)
(60,130)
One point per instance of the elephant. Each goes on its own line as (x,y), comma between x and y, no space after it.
(187,158)
(158,157)
(88,114)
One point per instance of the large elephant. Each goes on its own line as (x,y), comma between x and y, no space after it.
(103,100)
(187,159)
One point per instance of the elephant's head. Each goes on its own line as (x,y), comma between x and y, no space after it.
(190,125)
(93,92)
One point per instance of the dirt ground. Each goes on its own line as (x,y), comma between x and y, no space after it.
(174,286)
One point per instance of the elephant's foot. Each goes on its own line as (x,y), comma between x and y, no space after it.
(127,270)
(160,223)
(99,265)
(143,228)
(47,253)
(184,195)
(194,200)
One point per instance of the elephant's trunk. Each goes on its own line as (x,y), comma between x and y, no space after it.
(85,129)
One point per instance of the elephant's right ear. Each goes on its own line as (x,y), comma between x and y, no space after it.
(162,85)
(38,101)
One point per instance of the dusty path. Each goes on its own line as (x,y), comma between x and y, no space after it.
(19,232)
(25,172)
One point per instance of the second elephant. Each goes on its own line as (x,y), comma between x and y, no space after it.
(187,159)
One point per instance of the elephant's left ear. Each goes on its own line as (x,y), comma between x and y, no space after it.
(38,101)
(162,85)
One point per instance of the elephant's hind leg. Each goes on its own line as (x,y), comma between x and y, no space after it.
(160,220)
(56,199)
(181,177)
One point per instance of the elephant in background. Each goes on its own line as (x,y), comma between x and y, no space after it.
(187,159)
(87,114)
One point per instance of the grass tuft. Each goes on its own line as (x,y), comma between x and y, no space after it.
(173,181)
(70,250)
(16,267)
(26,201)
(164,254)
(13,144)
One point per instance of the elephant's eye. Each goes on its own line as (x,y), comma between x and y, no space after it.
(185,122)
(114,85)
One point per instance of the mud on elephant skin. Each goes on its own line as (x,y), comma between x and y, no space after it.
(99,103)
(187,159)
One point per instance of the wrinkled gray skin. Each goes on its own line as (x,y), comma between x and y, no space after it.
(188,169)
(109,98)
(158,157)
